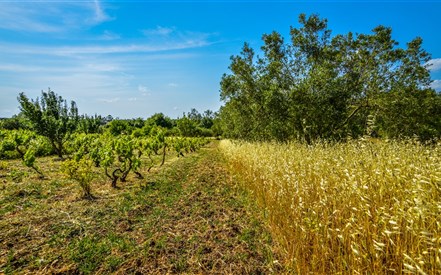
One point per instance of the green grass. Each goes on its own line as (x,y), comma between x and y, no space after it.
(185,217)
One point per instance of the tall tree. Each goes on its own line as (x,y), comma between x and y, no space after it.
(51,117)
(318,86)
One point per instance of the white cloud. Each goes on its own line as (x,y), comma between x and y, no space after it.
(18,68)
(158,31)
(110,100)
(173,36)
(142,89)
(59,68)
(172,33)
(100,15)
(436,84)
(97,75)
(102,67)
(16,17)
(109,36)
(434,64)
(51,16)
(112,49)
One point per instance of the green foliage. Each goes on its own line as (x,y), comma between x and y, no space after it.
(43,146)
(193,124)
(121,156)
(138,133)
(22,143)
(318,87)
(411,113)
(183,145)
(159,119)
(90,124)
(3,165)
(29,158)
(136,123)
(187,127)
(118,127)
(86,145)
(15,123)
(117,155)
(207,120)
(80,171)
(51,117)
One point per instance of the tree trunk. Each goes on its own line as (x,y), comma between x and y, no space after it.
(58,149)
(126,172)
(151,163)
(163,155)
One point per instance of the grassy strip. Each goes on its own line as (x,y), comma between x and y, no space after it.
(186,217)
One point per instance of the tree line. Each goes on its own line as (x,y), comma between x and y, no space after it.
(56,119)
(319,86)
(49,125)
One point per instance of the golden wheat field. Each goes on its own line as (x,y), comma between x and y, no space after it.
(361,207)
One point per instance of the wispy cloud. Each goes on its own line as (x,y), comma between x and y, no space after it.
(436,84)
(434,64)
(17,68)
(61,68)
(110,100)
(51,16)
(142,89)
(100,15)
(57,44)
(173,35)
(17,17)
(109,36)
(102,67)
(110,49)
(158,31)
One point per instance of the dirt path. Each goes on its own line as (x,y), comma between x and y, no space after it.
(205,228)
(187,218)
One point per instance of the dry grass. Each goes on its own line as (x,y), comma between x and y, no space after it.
(366,206)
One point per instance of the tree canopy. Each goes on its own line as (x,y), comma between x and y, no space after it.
(319,86)
(51,117)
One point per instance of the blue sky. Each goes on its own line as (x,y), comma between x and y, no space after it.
(136,58)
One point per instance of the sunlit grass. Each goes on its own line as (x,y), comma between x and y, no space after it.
(365,206)
(185,217)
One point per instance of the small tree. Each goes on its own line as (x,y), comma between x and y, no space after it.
(117,127)
(51,117)
(81,172)
(187,127)
(159,119)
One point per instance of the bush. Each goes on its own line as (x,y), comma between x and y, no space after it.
(81,172)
